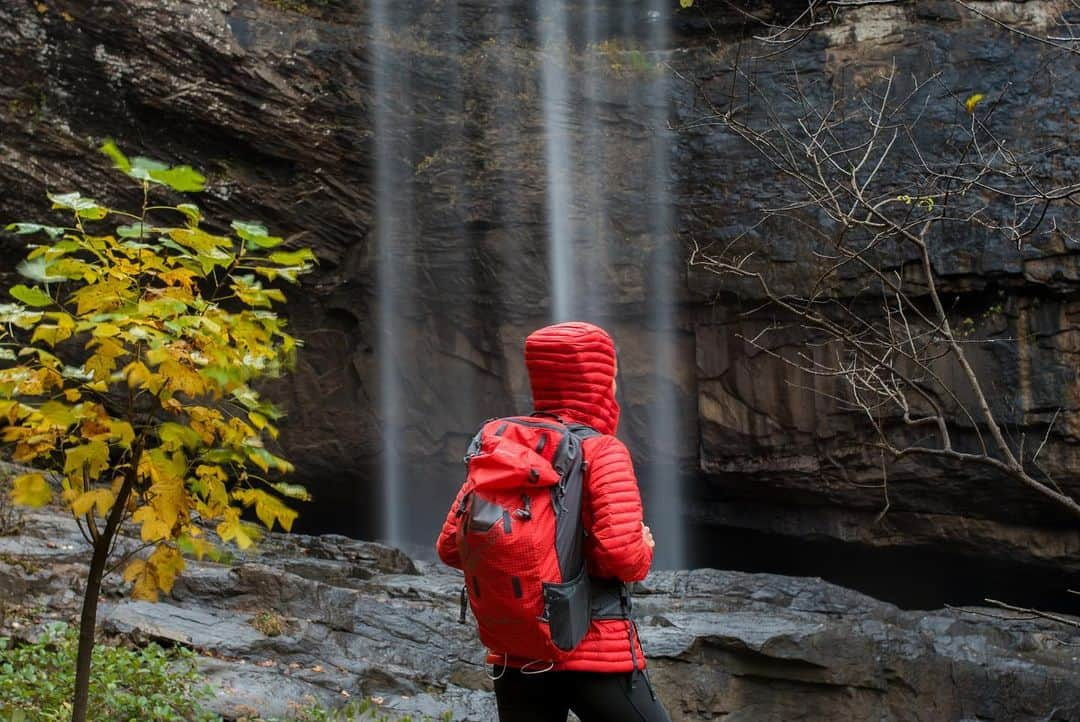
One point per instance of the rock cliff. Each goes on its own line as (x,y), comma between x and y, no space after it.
(274,99)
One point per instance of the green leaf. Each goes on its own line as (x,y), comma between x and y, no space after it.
(292,258)
(686,4)
(54,232)
(31,296)
(221,456)
(225,377)
(293,491)
(257,234)
(85,207)
(135,230)
(182,178)
(141,167)
(191,211)
(175,436)
(265,460)
(119,160)
(36,270)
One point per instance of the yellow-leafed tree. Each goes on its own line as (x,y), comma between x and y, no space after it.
(127,358)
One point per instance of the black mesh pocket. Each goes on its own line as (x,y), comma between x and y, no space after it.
(484,514)
(567,607)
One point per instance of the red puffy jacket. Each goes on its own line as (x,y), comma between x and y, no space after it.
(571,369)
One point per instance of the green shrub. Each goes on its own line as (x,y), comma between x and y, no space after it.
(151,684)
(357,711)
(144,685)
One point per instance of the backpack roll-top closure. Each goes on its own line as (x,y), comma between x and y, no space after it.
(504,463)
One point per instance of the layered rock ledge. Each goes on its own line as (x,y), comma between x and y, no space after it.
(354,618)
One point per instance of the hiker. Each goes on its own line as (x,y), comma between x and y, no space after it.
(556,647)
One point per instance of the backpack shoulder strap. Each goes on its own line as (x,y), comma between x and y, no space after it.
(583,431)
(476,444)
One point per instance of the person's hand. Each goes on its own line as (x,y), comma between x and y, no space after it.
(646,534)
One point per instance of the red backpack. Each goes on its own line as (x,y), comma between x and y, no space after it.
(520,537)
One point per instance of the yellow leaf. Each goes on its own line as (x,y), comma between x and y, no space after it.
(178,277)
(50,334)
(167,563)
(686,4)
(257,419)
(11,410)
(55,413)
(91,459)
(103,361)
(198,239)
(183,378)
(100,498)
(263,424)
(207,422)
(267,507)
(145,585)
(233,529)
(211,485)
(104,295)
(153,528)
(139,376)
(38,382)
(121,432)
(105,330)
(72,395)
(31,490)
(972,101)
(134,569)
(169,501)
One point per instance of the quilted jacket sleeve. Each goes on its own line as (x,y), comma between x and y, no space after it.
(446,546)
(616,547)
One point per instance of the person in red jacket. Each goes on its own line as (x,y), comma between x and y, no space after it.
(572,369)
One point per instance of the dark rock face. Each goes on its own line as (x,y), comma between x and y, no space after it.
(278,106)
(357,618)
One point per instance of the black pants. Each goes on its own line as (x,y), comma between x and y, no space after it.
(593,696)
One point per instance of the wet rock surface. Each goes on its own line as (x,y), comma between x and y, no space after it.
(359,619)
(276,102)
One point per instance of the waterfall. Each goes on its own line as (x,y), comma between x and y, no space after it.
(555,61)
(597,292)
(663,475)
(392,216)
(579,195)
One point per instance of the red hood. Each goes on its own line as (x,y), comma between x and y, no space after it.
(571,367)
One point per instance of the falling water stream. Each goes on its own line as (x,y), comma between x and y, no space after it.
(388,275)
(581,241)
(663,477)
(555,74)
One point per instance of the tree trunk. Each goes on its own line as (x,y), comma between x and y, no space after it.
(88,620)
(88,627)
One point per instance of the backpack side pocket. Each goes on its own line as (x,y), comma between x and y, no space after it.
(567,608)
